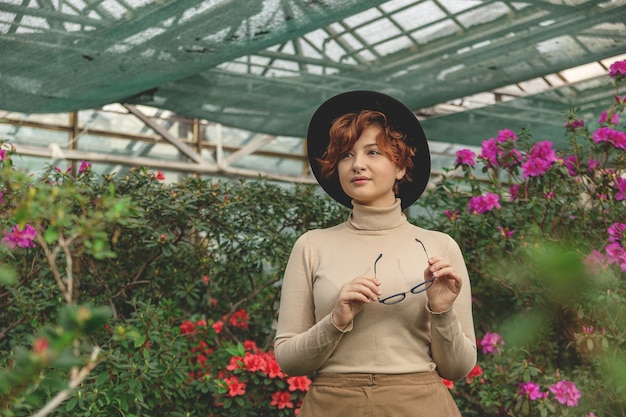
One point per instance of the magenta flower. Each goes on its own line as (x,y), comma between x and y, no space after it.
(531,390)
(540,158)
(615,119)
(452,215)
(570,163)
(617,70)
(506,135)
(21,238)
(614,137)
(593,165)
(483,203)
(505,232)
(1,200)
(620,186)
(465,157)
(489,152)
(595,261)
(514,191)
(3,154)
(491,343)
(617,232)
(566,392)
(603,117)
(535,167)
(84,166)
(616,250)
(574,124)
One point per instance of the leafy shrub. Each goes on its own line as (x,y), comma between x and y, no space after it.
(124,295)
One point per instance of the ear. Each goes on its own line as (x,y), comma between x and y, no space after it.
(400,173)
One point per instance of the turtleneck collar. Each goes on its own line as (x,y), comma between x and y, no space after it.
(376,218)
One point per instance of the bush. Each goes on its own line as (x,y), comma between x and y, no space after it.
(544,236)
(124,295)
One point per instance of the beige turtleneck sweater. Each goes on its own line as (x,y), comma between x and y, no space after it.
(387,339)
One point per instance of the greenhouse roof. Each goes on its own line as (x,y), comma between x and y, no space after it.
(467,67)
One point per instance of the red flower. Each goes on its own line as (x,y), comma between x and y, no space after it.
(254,363)
(187,328)
(447,383)
(160,176)
(272,368)
(281,399)
(250,346)
(41,345)
(239,319)
(476,371)
(299,383)
(236,362)
(234,386)
(206,279)
(217,326)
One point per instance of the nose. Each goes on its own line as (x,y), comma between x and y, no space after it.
(358,164)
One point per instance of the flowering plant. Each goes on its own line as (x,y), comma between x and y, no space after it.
(544,235)
(191,276)
(241,376)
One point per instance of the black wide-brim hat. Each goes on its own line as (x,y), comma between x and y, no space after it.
(399,117)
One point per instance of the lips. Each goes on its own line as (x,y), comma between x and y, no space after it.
(359,179)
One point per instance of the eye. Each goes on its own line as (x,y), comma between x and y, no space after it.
(374,152)
(346,155)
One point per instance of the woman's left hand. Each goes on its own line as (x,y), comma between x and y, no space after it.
(445,288)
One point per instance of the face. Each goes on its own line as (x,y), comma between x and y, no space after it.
(366,174)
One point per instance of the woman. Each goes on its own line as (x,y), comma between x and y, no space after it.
(376,308)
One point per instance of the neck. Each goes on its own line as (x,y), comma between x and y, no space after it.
(376,218)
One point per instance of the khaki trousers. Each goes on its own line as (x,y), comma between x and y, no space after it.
(375,395)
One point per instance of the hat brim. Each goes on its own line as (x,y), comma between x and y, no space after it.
(400,118)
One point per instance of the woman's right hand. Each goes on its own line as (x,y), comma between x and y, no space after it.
(352,296)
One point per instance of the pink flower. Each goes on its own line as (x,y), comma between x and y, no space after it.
(465,157)
(617,232)
(452,215)
(506,135)
(603,117)
(617,70)
(483,203)
(595,261)
(571,163)
(540,158)
(489,152)
(574,124)
(593,164)
(491,343)
(3,154)
(505,232)
(514,191)
(1,200)
(620,185)
(614,137)
(20,238)
(531,390)
(84,166)
(566,392)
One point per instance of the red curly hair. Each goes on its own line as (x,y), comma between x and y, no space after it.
(347,129)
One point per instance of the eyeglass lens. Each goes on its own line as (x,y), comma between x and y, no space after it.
(419,288)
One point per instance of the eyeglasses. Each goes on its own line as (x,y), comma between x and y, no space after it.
(421,287)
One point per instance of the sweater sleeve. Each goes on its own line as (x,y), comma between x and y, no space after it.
(302,345)
(453,346)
